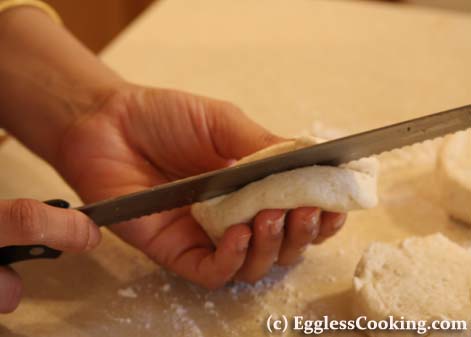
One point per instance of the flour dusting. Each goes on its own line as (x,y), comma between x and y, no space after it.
(127,292)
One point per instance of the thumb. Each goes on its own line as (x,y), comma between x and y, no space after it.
(234,134)
(28,222)
(10,290)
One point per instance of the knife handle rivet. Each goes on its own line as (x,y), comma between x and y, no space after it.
(36,251)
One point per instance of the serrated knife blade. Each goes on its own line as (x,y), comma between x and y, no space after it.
(213,184)
(335,152)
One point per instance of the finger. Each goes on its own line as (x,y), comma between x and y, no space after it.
(26,222)
(219,268)
(302,226)
(265,245)
(234,134)
(201,263)
(10,290)
(331,223)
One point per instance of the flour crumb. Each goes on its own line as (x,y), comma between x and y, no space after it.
(128,292)
(179,310)
(183,323)
(124,320)
(166,288)
(208,305)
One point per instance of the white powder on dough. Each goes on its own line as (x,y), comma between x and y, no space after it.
(337,189)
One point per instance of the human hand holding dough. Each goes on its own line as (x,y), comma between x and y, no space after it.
(335,189)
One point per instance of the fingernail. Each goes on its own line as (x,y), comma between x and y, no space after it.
(93,238)
(312,224)
(243,242)
(276,226)
(339,222)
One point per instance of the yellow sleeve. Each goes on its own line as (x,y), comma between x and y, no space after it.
(8,4)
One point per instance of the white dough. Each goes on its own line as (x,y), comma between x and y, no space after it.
(424,278)
(454,172)
(338,189)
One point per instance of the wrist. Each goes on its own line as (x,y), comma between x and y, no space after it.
(47,80)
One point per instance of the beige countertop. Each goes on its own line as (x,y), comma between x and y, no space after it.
(288,63)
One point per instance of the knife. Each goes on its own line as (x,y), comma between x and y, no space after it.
(212,184)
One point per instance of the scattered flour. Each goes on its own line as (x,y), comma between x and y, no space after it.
(128,292)
(209,305)
(166,287)
(124,320)
(183,323)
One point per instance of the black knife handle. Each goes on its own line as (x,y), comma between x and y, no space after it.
(12,254)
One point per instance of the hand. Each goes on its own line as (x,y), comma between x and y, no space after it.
(139,137)
(107,145)
(30,222)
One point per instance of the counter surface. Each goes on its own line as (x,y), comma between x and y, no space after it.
(335,67)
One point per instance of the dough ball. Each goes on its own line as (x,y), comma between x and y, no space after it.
(454,175)
(424,278)
(338,189)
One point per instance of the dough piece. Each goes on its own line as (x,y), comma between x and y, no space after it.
(338,189)
(424,278)
(454,174)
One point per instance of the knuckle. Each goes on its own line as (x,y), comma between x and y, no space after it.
(28,219)
(260,229)
(267,232)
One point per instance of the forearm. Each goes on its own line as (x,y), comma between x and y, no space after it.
(47,79)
